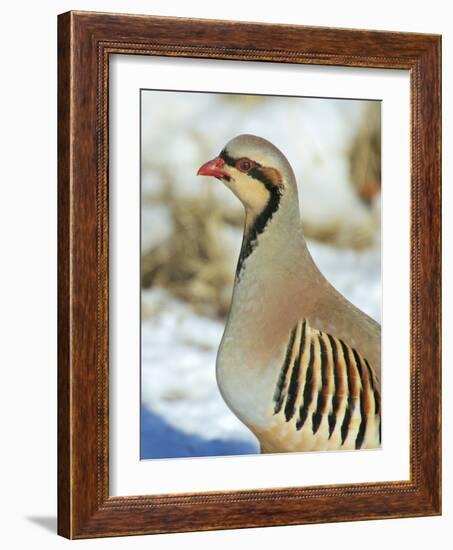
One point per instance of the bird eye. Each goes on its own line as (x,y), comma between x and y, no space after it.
(244,165)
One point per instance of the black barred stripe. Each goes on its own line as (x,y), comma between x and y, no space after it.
(365,399)
(281,384)
(344,378)
(336,398)
(322,397)
(227,158)
(377,402)
(348,413)
(308,389)
(370,373)
(362,428)
(377,397)
(358,364)
(294,381)
(346,421)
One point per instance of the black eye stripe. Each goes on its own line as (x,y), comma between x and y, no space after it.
(233,161)
(226,157)
(255,172)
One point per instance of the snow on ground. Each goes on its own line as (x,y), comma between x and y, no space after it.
(178,372)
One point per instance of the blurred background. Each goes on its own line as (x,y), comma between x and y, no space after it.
(191,232)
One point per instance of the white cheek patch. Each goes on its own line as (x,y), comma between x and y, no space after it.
(250,191)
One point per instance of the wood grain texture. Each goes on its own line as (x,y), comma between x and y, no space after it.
(85,41)
(64,369)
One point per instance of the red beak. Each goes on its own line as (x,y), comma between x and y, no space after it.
(213,168)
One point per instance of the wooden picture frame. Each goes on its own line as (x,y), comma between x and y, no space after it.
(85,42)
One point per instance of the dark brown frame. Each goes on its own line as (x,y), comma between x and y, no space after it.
(85,42)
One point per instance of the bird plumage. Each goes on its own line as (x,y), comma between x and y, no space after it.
(327,391)
(298,363)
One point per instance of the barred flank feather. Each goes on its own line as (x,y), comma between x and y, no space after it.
(324,379)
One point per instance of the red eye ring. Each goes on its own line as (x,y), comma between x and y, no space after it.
(245,165)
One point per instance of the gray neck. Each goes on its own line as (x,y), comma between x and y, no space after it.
(276,258)
(268,298)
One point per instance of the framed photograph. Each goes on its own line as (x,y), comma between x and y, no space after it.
(249,275)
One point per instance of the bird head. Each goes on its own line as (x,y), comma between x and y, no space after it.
(254,169)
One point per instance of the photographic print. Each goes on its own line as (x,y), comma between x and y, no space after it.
(260,274)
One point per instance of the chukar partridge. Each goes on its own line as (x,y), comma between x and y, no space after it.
(298,363)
